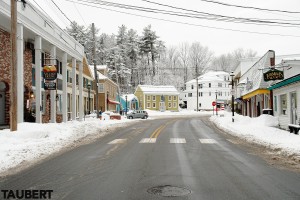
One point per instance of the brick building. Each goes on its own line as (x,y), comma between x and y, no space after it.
(41,42)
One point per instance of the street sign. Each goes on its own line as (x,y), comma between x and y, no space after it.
(213,103)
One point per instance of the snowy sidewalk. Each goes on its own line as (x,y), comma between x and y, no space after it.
(260,130)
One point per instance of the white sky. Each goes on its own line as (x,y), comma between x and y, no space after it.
(33,142)
(218,41)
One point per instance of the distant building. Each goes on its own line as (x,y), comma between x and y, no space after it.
(157,97)
(212,86)
(132,102)
(107,90)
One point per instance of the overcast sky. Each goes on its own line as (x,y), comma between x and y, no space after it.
(174,30)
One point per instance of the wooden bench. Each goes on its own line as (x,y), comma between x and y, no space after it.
(294,128)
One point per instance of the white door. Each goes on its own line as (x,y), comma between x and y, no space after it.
(2,103)
(162,106)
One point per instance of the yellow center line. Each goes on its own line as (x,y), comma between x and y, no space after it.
(157,131)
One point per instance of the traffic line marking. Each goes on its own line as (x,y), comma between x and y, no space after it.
(148,140)
(232,141)
(208,141)
(177,140)
(118,141)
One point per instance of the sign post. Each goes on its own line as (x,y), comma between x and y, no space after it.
(213,104)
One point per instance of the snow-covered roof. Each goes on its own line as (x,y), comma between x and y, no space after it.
(159,89)
(210,76)
(99,67)
(129,97)
(100,76)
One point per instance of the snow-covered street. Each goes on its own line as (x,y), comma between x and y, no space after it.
(33,141)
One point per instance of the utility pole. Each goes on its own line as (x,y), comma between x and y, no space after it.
(95,67)
(197,86)
(13,71)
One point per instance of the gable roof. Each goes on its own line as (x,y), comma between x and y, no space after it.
(159,89)
(210,76)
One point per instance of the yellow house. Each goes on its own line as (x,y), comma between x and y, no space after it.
(157,97)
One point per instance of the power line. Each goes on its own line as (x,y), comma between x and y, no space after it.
(61,11)
(250,7)
(223,16)
(184,23)
(79,14)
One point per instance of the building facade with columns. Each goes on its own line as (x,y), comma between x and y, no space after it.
(40,42)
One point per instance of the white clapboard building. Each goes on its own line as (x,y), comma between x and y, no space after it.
(212,86)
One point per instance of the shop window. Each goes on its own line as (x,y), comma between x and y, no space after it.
(283,104)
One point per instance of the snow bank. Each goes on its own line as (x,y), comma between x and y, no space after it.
(262,130)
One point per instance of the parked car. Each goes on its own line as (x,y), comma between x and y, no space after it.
(137,114)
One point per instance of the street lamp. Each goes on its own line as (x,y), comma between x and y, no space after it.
(232,97)
(126,104)
(216,102)
(89,101)
(107,94)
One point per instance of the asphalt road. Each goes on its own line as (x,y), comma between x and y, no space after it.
(176,158)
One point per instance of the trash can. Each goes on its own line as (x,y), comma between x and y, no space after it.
(267,111)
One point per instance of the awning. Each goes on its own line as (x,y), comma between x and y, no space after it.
(112,102)
(256,92)
(285,82)
(239,100)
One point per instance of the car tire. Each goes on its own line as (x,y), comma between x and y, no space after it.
(130,117)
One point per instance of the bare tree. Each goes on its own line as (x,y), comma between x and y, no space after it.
(199,57)
(184,59)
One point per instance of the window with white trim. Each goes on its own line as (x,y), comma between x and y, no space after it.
(153,105)
(170,105)
(170,98)
(174,105)
(148,98)
(153,98)
(175,98)
(148,105)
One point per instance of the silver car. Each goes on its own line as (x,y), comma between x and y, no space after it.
(137,114)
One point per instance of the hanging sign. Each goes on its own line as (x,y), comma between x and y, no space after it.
(273,74)
(50,85)
(50,72)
